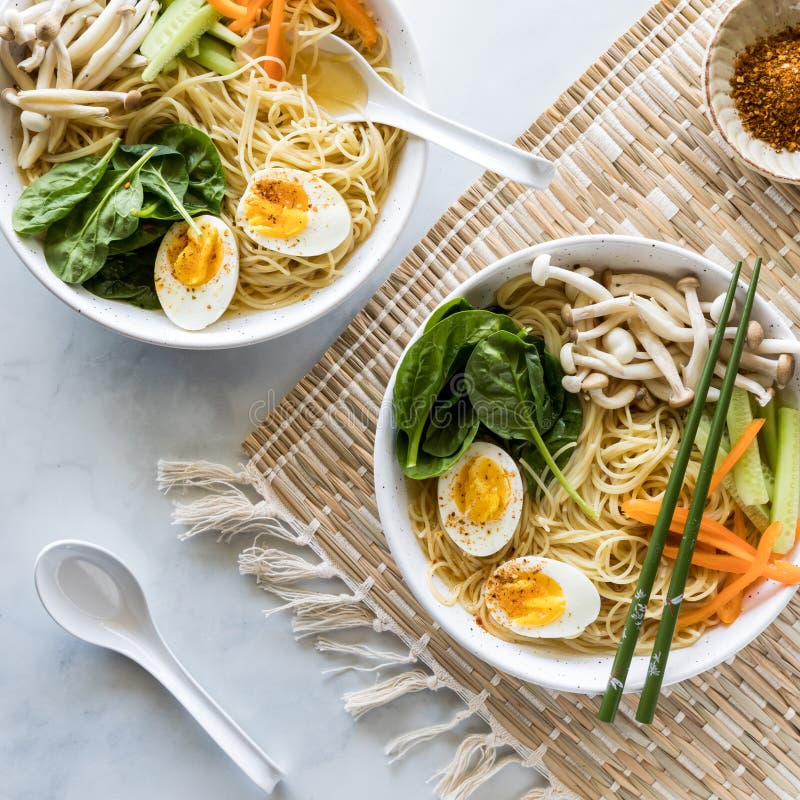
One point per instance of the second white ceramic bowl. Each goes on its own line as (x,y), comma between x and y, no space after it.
(747,22)
(235,330)
(537,663)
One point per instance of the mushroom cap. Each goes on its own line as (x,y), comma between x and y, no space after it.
(594,381)
(755,334)
(571,383)
(132,100)
(539,269)
(567,359)
(785,369)
(644,399)
(47,28)
(716,307)
(620,343)
(566,315)
(6,34)
(689,282)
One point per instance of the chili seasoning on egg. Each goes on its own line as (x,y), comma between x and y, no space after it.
(765,88)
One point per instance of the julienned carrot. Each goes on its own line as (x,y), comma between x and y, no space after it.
(737,451)
(356,15)
(275,40)
(730,612)
(246,22)
(228,8)
(738,523)
(711,532)
(779,571)
(755,571)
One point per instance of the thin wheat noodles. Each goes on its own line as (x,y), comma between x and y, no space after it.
(255,123)
(621,455)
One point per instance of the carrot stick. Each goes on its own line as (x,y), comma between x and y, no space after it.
(275,40)
(779,571)
(737,451)
(245,23)
(229,9)
(740,584)
(738,523)
(356,15)
(729,613)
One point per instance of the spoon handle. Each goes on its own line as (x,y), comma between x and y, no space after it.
(505,159)
(244,752)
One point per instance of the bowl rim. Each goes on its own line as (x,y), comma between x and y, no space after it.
(712,112)
(414,153)
(401,546)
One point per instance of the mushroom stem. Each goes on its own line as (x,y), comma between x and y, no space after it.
(63,97)
(680,395)
(578,337)
(762,395)
(571,361)
(691,372)
(570,290)
(756,341)
(35,59)
(96,35)
(542,271)
(779,370)
(128,18)
(647,286)
(603,308)
(621,398)
(49,25)
(20,78)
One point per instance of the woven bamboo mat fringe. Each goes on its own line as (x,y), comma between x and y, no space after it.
(635,154)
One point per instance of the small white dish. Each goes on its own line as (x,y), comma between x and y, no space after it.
(538,664)
(746,23)
(245,328)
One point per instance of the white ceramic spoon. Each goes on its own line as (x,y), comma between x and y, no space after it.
(93,595)
(392,108)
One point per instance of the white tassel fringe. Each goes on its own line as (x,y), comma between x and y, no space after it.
(386,658)
(364,700)
(473,764)
(279,568)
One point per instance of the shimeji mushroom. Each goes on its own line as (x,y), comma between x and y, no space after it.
(619,343)
(749,384)
(70,110)
(578,337)
(691,372)
(572,361)
(778,370)
(572,291)
(603,308)
(542,271)
(81,50)
(594,381)
(572,383)
(627,394)
(756,341)
(48,26)
(647,286)
(714,308)
(65,97)
(680,394)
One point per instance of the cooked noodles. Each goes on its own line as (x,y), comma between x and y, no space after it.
(620,455)
(253,125)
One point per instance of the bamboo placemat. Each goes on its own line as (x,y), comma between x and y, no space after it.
(635,154)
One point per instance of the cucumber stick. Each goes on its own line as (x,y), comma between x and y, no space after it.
(786,503)
(748,472)
(180,25)
(758,514)
(214,55)
(225,35)
(769,433)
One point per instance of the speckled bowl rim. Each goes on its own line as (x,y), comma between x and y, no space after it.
(553,669)
(251,327)
(709,55)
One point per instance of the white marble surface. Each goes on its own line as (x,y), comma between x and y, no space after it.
(85,416)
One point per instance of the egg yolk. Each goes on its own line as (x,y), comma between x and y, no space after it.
(194,259)
(277,208)
(481,490)
(529,598)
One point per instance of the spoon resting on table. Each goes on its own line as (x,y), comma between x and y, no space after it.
(350,90)
(90,593)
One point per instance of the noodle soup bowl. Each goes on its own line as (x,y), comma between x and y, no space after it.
(539,662)
(236,329)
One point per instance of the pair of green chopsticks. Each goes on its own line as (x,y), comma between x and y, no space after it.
(641,596)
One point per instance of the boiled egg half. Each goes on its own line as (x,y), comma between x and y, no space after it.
(541,598)
(480,499)
(293,212)
(196,273)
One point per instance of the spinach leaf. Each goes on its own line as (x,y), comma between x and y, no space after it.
(203,166)
(164,175)
(53,195)
(564,432)
(76,247)
(451,421)
(446,309)
(128,277)
(428,365)
(499,376)
(428,466)
(149,230)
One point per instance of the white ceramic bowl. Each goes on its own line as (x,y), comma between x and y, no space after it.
(235,330)
(534,663)
(747,22)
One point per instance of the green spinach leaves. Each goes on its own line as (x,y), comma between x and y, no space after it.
(102,216)
(474,370)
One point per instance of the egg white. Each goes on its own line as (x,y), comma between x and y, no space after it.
(329,220)
(195,308)
(581,596)
(475,538)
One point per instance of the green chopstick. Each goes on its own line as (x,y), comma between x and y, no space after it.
(652,558)
(666,627)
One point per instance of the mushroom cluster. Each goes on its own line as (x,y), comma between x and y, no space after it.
(634,338)
(58,53)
